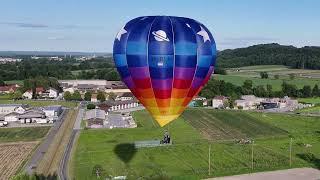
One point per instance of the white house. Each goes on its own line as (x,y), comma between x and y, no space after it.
(219,101)
(52,111)
(27,94)
(53,93)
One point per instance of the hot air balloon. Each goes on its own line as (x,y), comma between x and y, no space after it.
(164,61)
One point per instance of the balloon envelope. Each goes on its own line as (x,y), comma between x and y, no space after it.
(164,61)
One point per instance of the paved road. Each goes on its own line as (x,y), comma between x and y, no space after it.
(43,147)
(289,174)
(63,169)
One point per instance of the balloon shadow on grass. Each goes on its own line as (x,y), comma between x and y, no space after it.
(125,152)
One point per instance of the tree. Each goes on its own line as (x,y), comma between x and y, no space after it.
(289,89)
(76,96)
(101,96)
(269,90)
(2,83)
(315,91)
(247,87)
(292,76)
(91,106)
(67,96)
(112,96)
(87,96)
(264,75)
(260,91)
(17,95)
(306,91)
(276,76)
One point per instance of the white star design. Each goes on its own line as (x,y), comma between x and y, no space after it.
(204,34)
(188,25)
(122,31)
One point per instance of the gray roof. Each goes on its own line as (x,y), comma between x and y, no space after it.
(32,114)
(14,105)
(55,107)
(95,114)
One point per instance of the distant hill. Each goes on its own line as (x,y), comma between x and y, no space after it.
(271,54)
(51,53)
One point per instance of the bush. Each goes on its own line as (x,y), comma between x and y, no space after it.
(91,106)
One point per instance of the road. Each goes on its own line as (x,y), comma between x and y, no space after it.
(43,147)
(288,174)
(63,169)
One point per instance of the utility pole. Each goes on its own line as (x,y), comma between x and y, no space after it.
(290,152)
(209,160)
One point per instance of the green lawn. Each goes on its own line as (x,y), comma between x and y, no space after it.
(20,82)
(310,100)
(22,134)
(276,83)
(40,103)
(4,96)
(192,134)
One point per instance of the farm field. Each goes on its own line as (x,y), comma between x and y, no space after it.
(302,77)
(192,135)
(310,100)
(22,134)
(39,103)
(13,156)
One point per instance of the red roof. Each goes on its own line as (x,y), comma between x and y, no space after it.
(38,89)
(12,87)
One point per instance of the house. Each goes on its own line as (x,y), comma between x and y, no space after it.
(218,102)
(196,100)
(9,108)
(29,93)
(8,88)
(95,118)
(53,93)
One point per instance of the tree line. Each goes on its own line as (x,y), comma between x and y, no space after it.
(66,69)
(270,54)
(219,87)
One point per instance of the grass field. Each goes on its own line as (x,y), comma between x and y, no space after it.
(302,77)
(20,82)
(40,103)
(310,100)
(192,134)
(22,134)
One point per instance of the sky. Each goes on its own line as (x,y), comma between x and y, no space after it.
(91,26)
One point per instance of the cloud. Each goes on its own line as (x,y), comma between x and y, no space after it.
(40,25)
(57,38)
(25,25)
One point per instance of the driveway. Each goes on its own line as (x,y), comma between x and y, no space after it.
(288,174)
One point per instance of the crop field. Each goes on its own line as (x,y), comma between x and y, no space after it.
(197,129)
(39,103)
(22,134)
(302,77)
(13,156)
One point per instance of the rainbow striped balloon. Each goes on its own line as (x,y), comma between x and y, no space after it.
(164,61)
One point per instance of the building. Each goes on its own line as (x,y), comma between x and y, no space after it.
(9,88)
(9,108)
(123,121)
(120,105)
(219,102)
(11,117)
(117,87)
(196,100)
(29,93)
(52,112)
(105,107)
(95,118)
(248,102)
(49,93)
(125,97)
(53,93)
(32,116)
